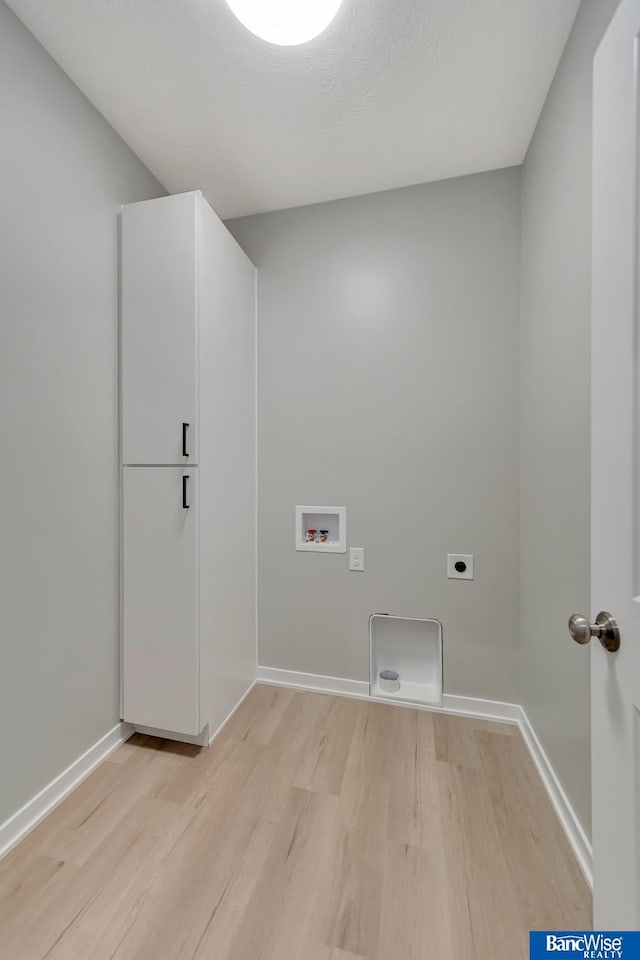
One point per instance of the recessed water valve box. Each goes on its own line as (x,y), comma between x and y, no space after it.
(460,566)
(321,529)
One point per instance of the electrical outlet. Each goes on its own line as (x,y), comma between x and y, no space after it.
(356,558)
(460,566)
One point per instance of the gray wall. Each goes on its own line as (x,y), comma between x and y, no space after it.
(388,382)
(63,172)
(555,404)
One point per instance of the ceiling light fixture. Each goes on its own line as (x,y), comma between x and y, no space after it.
(285,22)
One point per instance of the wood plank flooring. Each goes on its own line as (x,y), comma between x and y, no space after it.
(314,828)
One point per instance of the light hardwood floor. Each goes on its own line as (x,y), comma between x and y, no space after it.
(314,828)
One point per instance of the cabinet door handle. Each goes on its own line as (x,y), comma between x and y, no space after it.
(185,481)
(185,427)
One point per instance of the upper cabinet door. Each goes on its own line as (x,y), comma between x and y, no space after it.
(159,331)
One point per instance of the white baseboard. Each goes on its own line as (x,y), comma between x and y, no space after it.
(576,836)
(231,713)
(313,681)
(463,707)
(481,709)
(25,819)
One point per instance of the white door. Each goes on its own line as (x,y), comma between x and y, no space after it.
(160,598)
(159,331)
(615,548)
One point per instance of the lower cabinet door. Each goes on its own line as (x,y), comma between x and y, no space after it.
(160,598)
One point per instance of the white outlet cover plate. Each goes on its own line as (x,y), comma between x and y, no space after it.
(356,559)
(452,559)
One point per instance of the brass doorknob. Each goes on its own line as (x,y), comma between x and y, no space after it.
(605,629)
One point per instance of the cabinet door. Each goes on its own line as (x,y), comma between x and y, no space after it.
(159,331)
(160,598)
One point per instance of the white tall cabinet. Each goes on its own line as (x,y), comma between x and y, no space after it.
(188,467)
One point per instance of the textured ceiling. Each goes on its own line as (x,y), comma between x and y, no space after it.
(395,92)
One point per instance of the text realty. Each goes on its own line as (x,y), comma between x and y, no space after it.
(592,946)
